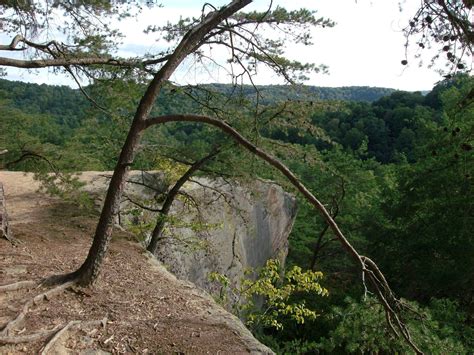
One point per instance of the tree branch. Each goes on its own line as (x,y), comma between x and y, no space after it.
(391,304)
(87,61)
(25,154)
(269,159)
(156,234)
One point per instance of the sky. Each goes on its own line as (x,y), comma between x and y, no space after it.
(365,47)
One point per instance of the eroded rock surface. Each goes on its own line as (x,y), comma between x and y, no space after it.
(135,307)
(244,226)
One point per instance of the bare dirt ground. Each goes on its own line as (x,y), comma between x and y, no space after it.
(135,307)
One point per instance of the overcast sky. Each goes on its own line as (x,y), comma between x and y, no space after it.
(364,48)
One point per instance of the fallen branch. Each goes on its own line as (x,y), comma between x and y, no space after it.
(72,324)
(28,338)
(57,336)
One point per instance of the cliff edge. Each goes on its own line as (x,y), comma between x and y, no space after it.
(136,306)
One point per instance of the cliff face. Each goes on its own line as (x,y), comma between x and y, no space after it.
(214,225)
(244,226)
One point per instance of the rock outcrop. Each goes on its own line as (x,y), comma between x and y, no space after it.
(239,227)
(214,225)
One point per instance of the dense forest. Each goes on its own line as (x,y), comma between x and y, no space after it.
(394,169)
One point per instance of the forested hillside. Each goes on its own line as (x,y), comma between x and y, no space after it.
(63,101)
(273,93)
(395,173)
(53,115)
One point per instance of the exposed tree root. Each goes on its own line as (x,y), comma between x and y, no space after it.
(14,241)
(57,336)
(59,283)
(29,337)
(35,300)
(60,279)
(72,324)
(18,286)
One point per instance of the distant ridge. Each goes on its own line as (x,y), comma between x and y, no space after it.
(21,93)
(273,93)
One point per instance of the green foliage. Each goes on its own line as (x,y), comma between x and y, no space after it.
(62,105)
(396,174)
(391,126)
(85,27)
(58,123)
(453,321)
(276,290)
(423,237)
(350,188)
(412,216)
(223,283)
(361,327)
(67,187)
(267,45)
(394,171)
(305,94)
(295,346)
(139,222)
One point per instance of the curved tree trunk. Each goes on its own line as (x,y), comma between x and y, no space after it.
(369,269)
(89,270)
(226,128)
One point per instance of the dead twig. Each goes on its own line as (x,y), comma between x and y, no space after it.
(72,324)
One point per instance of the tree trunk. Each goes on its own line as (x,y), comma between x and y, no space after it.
(226,128)
(317,247)
(88,272)
(158,230)
(319,244)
